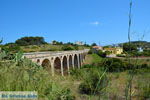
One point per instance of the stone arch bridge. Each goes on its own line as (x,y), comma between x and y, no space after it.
(58,61)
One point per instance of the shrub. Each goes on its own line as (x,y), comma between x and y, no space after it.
(6,55)
(121,55)
(101,53)
(12,47)
(66,48)
(3,55)
(95,82)
(24,41)
(65,95)
(144,66)
(114,65)
(88,66)
(127,47)
(76,73)
(93,44)
(76,47)
(145,91)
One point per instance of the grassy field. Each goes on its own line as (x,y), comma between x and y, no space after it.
(92,58)
(23,75)
(117,84)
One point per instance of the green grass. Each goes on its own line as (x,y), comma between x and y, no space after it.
(23,75)
(46,47)
(92,58)
(138,61)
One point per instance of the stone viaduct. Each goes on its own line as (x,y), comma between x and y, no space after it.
(58,61)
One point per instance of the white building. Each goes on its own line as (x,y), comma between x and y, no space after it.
(79,43)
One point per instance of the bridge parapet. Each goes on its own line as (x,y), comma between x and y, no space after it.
(53,53)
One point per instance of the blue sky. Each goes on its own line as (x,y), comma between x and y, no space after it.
(104,21)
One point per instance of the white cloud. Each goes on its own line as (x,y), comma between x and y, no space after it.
(96,23)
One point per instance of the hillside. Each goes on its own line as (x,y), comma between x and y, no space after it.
(49,47)
(143,44)
(91,82)
(14,48)
(38,44)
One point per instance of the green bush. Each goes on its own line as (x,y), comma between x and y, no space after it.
(3,55)
(88,66)
(145,91)
(120,55)
(114,65)
(12,47)
(6,55)
(67,48)
(95,82)
(144,66)
(127,47)
(101,53)
(76,73)
(65,95)
(24,41)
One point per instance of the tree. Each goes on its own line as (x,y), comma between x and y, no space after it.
(86,45)
(67,48)
(69,43)
(94,44)
(30,41)
(129,47)
(1,41)
(101,53)
(54,42)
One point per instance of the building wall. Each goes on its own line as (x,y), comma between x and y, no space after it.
(114,50)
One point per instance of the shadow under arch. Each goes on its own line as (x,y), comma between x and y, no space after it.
(57,65)
(46,64)
(38,61)
(80,59)
(75,61)
(70,62)
(65,65)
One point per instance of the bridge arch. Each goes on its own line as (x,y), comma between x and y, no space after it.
(46,64)
(70,62)
(80,59)
(57,64)
(84,55)
(38,61)
(75,60)
(65,63)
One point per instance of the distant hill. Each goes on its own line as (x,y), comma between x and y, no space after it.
(143,44)
(134,45)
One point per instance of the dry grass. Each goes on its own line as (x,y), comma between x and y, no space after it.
(115,90)
(46,47)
